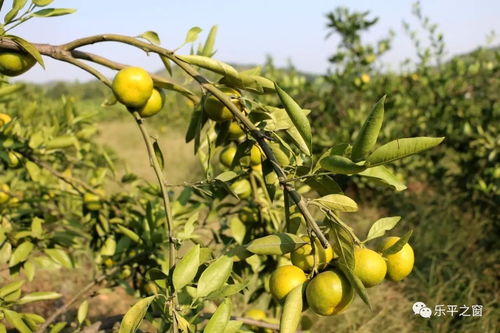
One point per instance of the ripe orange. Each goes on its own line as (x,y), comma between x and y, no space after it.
(284,279)
(242,188)
(400,264)
(328,293)
(369,266)
(133,87)
(154,104)
(227,156)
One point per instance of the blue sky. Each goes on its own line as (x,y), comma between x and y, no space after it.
(249,30)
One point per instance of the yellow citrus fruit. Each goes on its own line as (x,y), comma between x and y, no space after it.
(255,155)
(303,257)
(227,156)
(257,314)
(4,119)
(284,279)
(399,264)
(92,201)
(14,63)
(154,104)
(109,262)
(14,158)
(242,188)
(369,266)
(4,193)
(125,273)
(133,86)
(365,78)
(328,293)
(234,131)
(150,288)
(216,110)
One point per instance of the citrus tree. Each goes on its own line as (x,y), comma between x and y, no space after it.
(267,225)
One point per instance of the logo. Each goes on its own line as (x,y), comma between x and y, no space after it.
(419,308)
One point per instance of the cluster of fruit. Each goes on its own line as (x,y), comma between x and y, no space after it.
(134,88)
(329,292)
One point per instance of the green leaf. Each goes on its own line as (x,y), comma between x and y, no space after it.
(355,283)
(227,176)
(5,253)
(324,185)
(233,326)
(238,229)
(194,126)
(367,137)
(396,247)
(400,148)
(292,310)
(151,37)
(129,233)
(33,170)
(83,310)
(50,12)
(17,5)
(298,118)
(36,140)
(60,257)
(36,228)
(28,47)
(39,296)
(16,320)
(11,288)
(135,315)
(29,270)
(343,244)
(381,174)
(220,318)
(380,226)
(21,253)
(166,63)
(208,48)
(192,34)
(42,3)
(214,276)
(10,89)
(340,165)
(63,141)
(2,326)
(159,155)
(278,243)
(58,327)
(338,202)
(186,269)
(210,64)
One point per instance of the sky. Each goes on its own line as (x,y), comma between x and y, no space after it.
(248,30)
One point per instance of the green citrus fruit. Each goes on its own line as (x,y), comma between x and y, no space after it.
(4,119)
(154,104)
(227,156)
(400,264)
(328,293)
(242,188)
(14,63)
(133,87)
(4,193)
(284,279)
(216,110)
(14,159)
(235,131)
(369,266)
(303,257)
